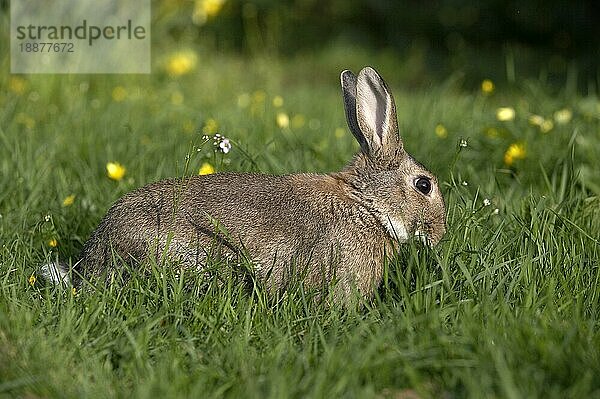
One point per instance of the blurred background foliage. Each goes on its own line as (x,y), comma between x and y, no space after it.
(552,40)
(518,79)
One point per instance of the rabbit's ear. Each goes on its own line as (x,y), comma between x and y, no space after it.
(348,81)
(376,113)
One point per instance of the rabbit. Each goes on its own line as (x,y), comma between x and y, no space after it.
(321,226)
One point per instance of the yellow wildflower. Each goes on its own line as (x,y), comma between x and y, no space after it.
(115,170)
(340,132)
(441,131)
(205,9)
(563,116)
(74,291)
(53,243)
(119,94)
(505,114)
(536,120)
(298,121)
(206,169)
(487,86)
(181,63)
(32,280)
(283,120)
(69,200)
(546,126)
(492,132)
(277,101)
(210,127)
(258,96)
(515,151)
(17,85)
(212,7)
(25,120)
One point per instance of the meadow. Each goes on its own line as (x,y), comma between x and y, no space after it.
(507,305)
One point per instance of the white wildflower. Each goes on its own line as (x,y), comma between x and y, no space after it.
(225,145)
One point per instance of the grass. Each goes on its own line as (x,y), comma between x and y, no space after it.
(506,306)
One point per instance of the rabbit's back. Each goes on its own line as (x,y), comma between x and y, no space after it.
(282,222)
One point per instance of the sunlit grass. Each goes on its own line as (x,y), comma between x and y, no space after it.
(506,306)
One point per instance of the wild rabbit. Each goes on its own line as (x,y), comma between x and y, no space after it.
(323,226)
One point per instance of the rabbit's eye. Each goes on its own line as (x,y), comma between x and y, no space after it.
(423,184)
